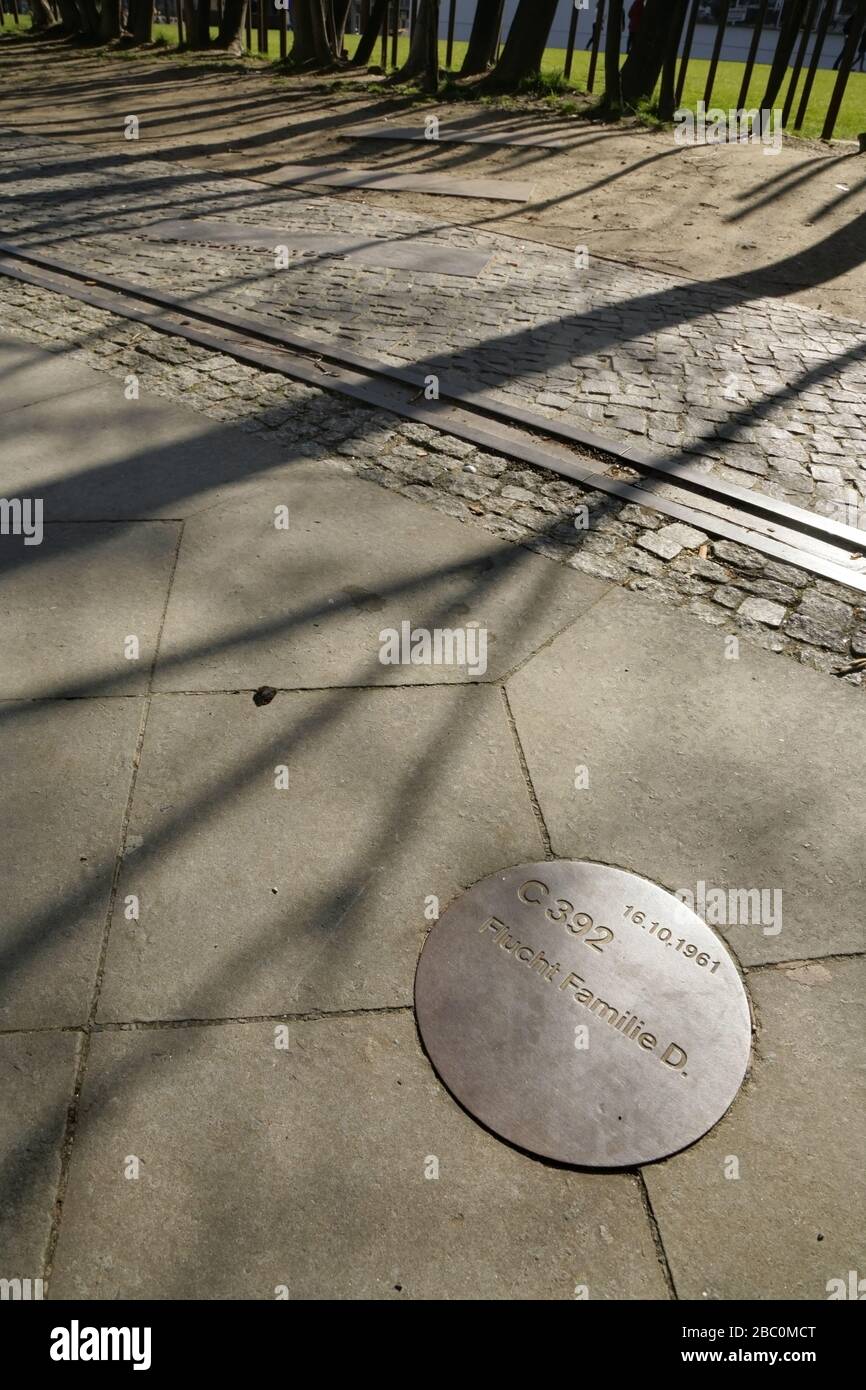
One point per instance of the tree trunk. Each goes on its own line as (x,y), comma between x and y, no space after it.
(612,45)
(423,60)
(89,17)
(109,20)
(667,95)
(197,16)
(203,23)
(139,22)
(481,50)
(230,38)
(303,48)
(526,42)
(340,15)
(431,70)
(373,29)
(324,35)
(312,46)
(792,21)
(641,69)
(69,16)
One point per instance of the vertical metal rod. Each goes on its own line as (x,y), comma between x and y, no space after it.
(753,53)
(858,21)
(284,31)
(249,26)
(395,33)
(808,25)
(596,40)
(385,39)
(262,36)
(569,48)
(824,25)
(667,96)
(717,48)
(687,50)
(179,23)
(452,15)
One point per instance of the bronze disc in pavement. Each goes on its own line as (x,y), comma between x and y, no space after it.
(583,1013)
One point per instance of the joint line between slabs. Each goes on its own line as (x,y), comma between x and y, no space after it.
(801,960)
(89,1026)
(367,688)
(194,692)
(116,520)
(524,768)
(612,586)
(309,1016)
(150,1025)
(661,1253)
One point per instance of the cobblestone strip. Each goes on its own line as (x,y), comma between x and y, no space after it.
(761,392)
(778,606)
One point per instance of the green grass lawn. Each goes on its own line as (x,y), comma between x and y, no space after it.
(852,117)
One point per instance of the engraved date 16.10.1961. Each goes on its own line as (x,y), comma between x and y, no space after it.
(665,935)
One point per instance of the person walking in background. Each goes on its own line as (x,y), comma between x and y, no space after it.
(635,15)
(599,23)
(846,30)
(861,47)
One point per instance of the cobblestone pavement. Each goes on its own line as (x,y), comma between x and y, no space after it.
(729,586)
(766,394)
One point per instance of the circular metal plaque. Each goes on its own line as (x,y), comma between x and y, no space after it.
(583,1013)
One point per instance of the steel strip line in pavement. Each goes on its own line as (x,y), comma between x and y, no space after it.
(787,544)
(683,474)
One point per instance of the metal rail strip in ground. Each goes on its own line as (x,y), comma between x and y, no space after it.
(683,474)
(790,534)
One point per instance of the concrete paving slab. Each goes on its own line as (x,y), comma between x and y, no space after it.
(329,176)
(304,607)
(325,1194)
(418,256)
(256,899)
(37,1077)
(68,605)
(738,774)
(423,257)
(92,454)
(66,777)
(793,1217)
(29,374)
